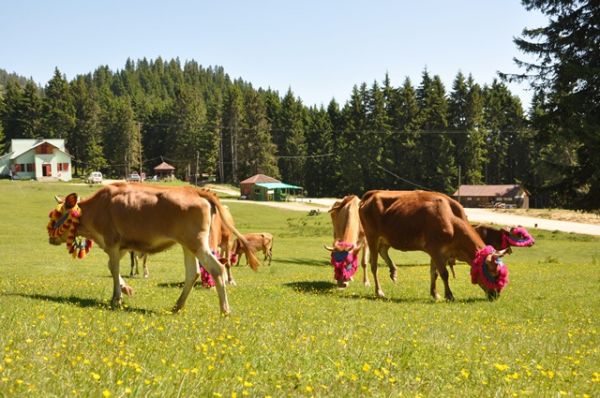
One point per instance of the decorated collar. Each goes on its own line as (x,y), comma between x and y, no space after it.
(62,222)
(481,275)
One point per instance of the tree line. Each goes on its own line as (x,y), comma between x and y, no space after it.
(412,136)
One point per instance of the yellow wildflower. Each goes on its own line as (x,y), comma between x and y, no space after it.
(106,393)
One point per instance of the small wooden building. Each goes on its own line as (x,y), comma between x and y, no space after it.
(164,171)
(247,186)
(510,196)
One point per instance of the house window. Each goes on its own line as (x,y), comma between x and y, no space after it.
(18,167)
(65,166)
(30,167)
(44,149)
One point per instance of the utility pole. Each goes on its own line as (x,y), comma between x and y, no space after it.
(196,173)
(459,183)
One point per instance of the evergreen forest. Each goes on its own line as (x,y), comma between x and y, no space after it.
(423,134)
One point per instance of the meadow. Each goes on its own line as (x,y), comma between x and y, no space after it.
(291,331)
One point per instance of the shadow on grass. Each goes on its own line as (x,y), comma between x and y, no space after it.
(327,288)
(303,261)
(78,301)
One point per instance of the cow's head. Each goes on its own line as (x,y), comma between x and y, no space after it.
(516,236)
(489,272)
(60,220)
(344,258)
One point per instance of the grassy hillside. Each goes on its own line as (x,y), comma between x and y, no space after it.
(291,332)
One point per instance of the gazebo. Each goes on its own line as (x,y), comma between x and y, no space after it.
(164,170)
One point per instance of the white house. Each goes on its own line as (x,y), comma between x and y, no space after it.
(39,159)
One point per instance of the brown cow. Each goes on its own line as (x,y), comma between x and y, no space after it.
(436,224)
(501,239)
(123,217)
(348,239)
(260,241)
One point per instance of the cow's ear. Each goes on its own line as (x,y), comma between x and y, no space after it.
(71,200)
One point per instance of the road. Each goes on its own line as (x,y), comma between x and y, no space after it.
(474,215)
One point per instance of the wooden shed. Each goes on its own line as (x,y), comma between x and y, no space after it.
(510,195)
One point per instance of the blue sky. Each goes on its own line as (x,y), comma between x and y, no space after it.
(320,49)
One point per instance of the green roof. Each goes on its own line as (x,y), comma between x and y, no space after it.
(277,185)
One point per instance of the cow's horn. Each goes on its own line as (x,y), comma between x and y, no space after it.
(58,199)
(500,253)
(328,248)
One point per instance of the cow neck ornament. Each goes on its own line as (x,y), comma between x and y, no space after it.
(511,238)
(62,222)
(344,262)
(480,273)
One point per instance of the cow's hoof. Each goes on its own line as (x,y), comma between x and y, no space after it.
(393,275)
(436,296)
(380,293)
(115,304)
(449,297)
(367,284)
(232,283)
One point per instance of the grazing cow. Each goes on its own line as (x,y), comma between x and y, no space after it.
(260,241)
(135,259)
(348,239)
(501,239)
(436,224)
(122,217)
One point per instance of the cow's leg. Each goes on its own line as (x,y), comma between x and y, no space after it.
(363,262)
(146,273)
(384,252)
(434,275)
(119,285)
(373,260)
(216,270)
(270,254)
(132,259)
(192,272)
(440,265)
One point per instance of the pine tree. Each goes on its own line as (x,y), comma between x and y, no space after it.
(121,137)
(566,71)
(86,138)
(435,144)
(255,147)
(292,144)
(233,125)
(58,109)
(13,119)
(319,140)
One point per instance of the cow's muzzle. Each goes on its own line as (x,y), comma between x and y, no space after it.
(55,241)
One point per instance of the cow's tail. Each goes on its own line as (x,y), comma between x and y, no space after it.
(252,260)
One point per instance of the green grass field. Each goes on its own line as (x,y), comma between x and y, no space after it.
(291,331)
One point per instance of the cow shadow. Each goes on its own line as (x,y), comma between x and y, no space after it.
(328,288)
(303,261)
(78,301)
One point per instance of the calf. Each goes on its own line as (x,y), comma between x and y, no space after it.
(122,217)
(436,224)
(262,241)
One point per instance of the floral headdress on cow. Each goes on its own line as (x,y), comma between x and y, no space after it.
(344,258)
(516,236)
(65,219)
(480,274)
